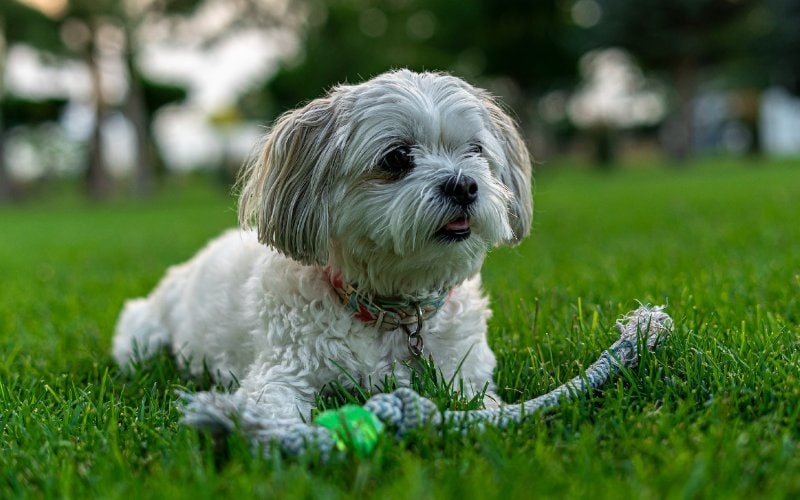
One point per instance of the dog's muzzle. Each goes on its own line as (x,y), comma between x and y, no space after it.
(461,190)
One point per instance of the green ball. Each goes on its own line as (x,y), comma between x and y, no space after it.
(353,428)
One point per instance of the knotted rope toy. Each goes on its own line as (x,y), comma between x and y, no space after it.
(357,428)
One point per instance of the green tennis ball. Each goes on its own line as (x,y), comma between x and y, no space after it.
(353,428)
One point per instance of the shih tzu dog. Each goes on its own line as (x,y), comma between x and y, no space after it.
(367,215)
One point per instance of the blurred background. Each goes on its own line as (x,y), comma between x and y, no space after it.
(112,97)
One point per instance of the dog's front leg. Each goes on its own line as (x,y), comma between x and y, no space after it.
(471,373)
(286,396)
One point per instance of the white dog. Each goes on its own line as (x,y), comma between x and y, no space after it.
(374,208)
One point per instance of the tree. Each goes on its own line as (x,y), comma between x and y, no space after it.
(81,24)
(71,33)
(144,95)
(778,49)
(26,24)
(477,39)
(677,37)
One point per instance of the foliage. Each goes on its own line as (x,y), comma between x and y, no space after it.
(778,50)
(158,94)
(662,34)
(22,111)
(21,23)
(714,414)
(680,39)
(351,40)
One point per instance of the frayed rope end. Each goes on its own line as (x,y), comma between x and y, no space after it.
(650,323)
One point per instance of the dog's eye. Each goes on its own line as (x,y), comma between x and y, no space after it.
(398,160)
(475,149)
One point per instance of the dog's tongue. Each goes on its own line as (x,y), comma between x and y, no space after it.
(461,224)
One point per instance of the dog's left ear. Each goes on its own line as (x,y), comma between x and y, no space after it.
(284,189)
(515,170)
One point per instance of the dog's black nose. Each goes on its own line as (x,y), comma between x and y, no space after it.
(462,189)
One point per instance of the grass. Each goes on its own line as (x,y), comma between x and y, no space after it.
(716,413)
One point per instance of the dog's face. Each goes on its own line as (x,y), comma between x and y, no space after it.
(402,183)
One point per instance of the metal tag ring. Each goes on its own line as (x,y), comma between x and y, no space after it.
(415,345)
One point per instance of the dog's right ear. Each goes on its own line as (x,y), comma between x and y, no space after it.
(284,189)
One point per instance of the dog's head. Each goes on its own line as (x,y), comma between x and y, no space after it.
(402,183)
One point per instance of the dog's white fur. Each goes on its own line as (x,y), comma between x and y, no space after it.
(267,316)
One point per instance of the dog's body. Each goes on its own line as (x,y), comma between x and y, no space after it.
(291,335)
(387,192)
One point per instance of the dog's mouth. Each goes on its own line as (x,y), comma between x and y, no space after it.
(455,230)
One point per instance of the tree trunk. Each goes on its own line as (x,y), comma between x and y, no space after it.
(98,181)
(7,188)
(680,134)
(137,112)
(604,147)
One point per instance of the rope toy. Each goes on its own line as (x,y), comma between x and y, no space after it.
(357,428)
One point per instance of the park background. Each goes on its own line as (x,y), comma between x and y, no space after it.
(123,94)
(666,138)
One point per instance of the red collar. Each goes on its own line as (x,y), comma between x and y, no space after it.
(386,313)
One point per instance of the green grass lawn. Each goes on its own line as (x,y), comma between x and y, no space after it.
(715,413)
